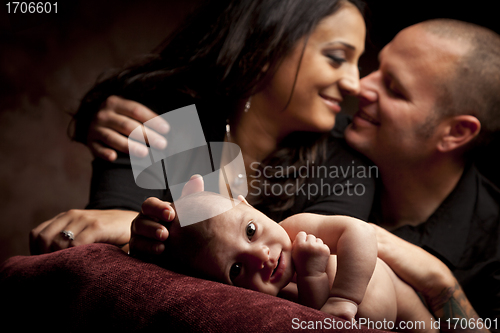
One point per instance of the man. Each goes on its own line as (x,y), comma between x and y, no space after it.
(434,96)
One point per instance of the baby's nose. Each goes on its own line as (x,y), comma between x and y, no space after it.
(261,254)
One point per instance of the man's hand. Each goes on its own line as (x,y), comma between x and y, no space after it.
(114,122)
(427,275)
(424,272)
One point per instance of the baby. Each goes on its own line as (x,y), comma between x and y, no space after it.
(244,248)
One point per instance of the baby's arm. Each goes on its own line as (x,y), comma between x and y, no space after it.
(310,258)
(355,244)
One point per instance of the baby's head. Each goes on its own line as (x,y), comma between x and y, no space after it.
(240,246)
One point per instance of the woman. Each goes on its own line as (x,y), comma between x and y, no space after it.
(275,71)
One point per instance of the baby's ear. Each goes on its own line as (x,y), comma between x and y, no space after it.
(195,184)
(241,198)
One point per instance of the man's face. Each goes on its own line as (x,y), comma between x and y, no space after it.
(397,120)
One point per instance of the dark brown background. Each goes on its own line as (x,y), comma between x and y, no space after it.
(47,62)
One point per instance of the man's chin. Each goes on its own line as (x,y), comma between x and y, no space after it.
(357,141)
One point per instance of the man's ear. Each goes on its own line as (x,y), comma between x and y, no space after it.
(195,184)
(459,132)
(242,198)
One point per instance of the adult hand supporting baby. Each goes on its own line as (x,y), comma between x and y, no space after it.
(427,275)
(113,124)
(82,226)
(424,272)
(147,233)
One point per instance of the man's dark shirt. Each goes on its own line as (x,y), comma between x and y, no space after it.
(464,232)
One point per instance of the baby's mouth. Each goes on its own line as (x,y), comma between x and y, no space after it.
(277,265)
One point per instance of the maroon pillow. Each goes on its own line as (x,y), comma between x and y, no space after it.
(98,287)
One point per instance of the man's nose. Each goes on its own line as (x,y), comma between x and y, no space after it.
(368,87)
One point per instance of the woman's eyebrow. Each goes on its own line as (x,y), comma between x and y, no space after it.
(349,46)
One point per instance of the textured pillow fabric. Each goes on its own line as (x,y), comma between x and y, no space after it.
(97,287)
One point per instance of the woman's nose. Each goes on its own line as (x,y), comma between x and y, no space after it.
(349,84)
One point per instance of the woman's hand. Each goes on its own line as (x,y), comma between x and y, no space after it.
(86,227)
(112,125)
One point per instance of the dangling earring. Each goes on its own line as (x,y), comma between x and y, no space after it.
(248,104)
(228,131)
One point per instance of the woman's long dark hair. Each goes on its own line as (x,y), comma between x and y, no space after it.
(216,58)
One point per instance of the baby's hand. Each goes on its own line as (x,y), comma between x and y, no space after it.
(310,255)
(340,307)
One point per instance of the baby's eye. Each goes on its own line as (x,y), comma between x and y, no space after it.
(234,271)
(251,229)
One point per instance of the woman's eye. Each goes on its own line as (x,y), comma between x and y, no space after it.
(336,59)
(338,56)
(251,229)
(234,271)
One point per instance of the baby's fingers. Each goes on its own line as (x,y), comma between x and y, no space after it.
(311,238)
(144,247)
(301,236)
(155,208)
(144,227)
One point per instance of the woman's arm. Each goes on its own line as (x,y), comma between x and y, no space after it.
(115,201)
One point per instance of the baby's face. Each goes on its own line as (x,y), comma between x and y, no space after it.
(249,250)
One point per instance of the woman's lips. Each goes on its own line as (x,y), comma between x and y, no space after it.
(278,271)
(331,102)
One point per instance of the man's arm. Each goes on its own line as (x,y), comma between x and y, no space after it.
(432,278)
(451,306)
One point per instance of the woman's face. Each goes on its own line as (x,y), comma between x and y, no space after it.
(328,70)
